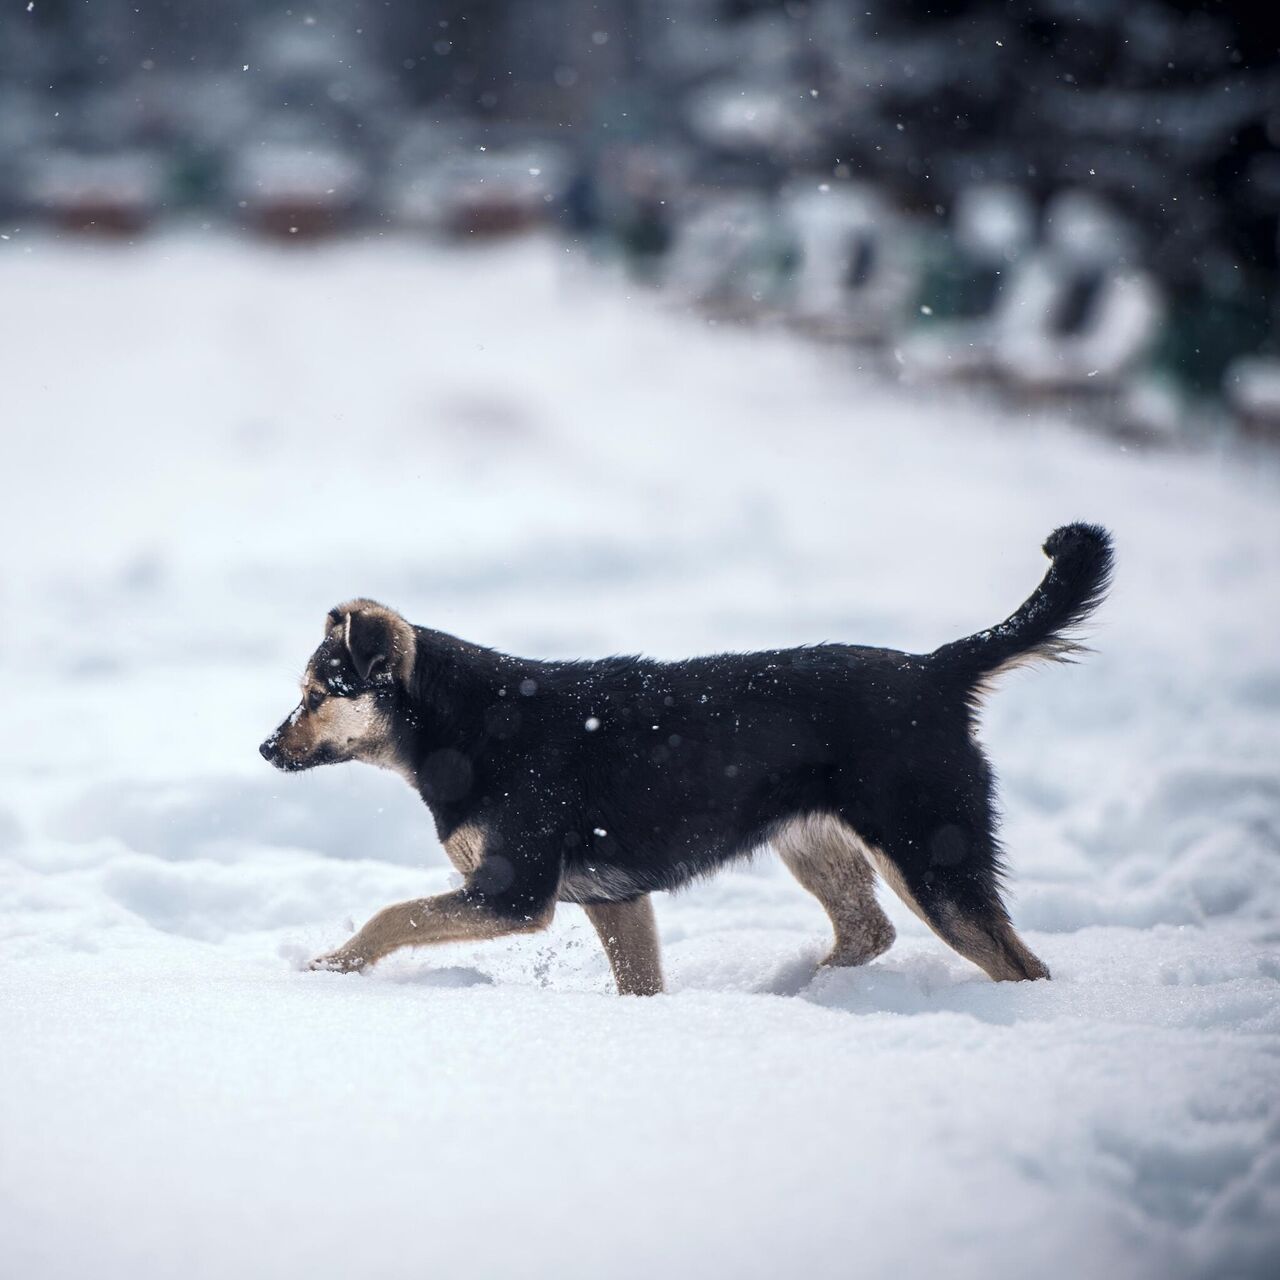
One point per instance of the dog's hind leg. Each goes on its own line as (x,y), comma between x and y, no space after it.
(629,935)
(827,857)
(946,869)
(986,937)
(979,930)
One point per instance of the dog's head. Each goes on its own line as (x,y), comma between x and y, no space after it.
(349,691)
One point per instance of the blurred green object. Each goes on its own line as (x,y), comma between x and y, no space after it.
(955,285)
(1205,331)
(196,177)
(645,235)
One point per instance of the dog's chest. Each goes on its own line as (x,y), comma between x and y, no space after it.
(601,882)
(465,848)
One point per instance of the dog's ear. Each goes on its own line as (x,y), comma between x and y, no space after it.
(369,642)
(378,639)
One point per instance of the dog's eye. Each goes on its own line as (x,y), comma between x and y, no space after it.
(314,699)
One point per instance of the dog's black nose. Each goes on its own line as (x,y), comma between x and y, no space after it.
(267,751)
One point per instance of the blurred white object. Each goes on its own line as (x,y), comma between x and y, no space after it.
(994,222)
(1084,231)
(1252,387)
(751,116)
(119,193)
(1152,409)
(729,255)
(856,276)
(292,172)
(1065,328)
(479,192)
(1072,315)
(297,188)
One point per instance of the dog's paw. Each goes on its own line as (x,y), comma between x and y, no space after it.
(338,962)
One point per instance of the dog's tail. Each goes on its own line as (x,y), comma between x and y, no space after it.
(1043,629)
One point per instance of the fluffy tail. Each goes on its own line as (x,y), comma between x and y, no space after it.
(1042,629)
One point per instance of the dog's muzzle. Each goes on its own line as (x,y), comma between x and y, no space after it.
(272,752)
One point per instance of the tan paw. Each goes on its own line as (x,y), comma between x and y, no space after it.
(341,961)
(860,950)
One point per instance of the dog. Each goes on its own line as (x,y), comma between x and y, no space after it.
(602,782)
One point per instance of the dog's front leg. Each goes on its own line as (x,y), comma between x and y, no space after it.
(467,915)
(629,934)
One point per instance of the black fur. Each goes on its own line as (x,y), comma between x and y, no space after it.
(1077,581)
(603,780)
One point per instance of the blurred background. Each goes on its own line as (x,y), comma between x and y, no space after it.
(1071,201)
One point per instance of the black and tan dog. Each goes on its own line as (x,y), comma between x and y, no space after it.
(601,782)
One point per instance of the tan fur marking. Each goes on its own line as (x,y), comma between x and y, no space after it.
(465,848)
(352,728)
(449,917)
(346,722)
(629,935)
(893,878)
(830,860)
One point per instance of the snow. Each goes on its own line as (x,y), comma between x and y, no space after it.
(210,442)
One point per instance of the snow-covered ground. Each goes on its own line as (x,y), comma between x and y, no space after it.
(208,443)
